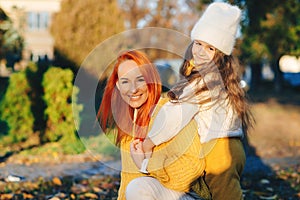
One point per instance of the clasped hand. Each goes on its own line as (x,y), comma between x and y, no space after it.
(140,150)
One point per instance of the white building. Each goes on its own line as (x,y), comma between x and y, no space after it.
(33,19)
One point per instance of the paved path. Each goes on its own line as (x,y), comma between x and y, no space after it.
(254,164)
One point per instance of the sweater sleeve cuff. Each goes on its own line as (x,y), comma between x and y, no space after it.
(144,166)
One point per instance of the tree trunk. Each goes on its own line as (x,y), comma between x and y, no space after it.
(256,75)
(278,78)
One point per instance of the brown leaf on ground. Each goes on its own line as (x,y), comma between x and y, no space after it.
(97,189)
(79,188)
(56,181)
(54,198)
(91,195)
(107,185)
(72,196)
(27,196)
(6,196)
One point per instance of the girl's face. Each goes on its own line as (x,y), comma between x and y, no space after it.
(202,52)
(131,84)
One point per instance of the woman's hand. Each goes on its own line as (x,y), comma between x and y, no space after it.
(136,152)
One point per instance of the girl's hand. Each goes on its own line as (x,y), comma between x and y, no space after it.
(136,152)
(147,147)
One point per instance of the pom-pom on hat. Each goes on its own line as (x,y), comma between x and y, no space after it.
(218,26)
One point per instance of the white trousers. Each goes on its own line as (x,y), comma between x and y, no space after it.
(149,188)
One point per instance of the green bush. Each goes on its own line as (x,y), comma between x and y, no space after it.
(61,113)
(15,108)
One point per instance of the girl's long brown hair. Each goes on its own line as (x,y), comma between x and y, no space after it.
(114,112)
(227,66)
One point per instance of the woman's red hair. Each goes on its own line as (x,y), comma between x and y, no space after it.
(115,112)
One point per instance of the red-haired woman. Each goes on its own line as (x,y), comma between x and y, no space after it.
(131,99)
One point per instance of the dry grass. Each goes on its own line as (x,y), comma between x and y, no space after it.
(277,131)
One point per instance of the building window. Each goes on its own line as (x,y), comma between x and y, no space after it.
(38,20)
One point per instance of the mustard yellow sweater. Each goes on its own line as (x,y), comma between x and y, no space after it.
(176,163)
(180,161)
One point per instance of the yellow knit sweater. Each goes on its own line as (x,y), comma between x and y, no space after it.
(176,163)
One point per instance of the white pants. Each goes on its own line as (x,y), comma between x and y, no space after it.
(149,188)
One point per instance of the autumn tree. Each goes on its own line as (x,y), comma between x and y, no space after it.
(270,29)
(81,25)
(281,33)
(175,15)
(11,43)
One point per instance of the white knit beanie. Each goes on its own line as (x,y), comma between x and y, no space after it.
(218,26)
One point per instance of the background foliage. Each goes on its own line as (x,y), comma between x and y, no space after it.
(59,111)
(88,23)
(271,29)
(15,109)
(11,42)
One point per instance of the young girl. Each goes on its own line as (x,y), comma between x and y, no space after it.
(210,93)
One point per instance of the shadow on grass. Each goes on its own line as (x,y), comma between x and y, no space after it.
(260,179)
(15,150)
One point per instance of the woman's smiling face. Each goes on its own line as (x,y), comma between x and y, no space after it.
(132,84)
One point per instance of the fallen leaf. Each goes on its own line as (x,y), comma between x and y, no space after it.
(73,196)
(264,181)
(270,189)
(54,198)
(107,185)
(7,196)
(61,195)
(27,196)
(96,189)
(91,195)
(57,181)
(78,189)
(268,198)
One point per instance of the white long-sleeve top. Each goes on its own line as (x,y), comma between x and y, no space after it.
(215,119)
